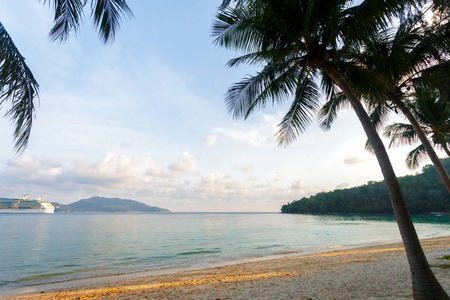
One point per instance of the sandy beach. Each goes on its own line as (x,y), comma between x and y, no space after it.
(374,272)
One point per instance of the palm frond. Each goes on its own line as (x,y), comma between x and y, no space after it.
(260,25)
(415,157)
(328,112)
(370,16)
(17,86)
(238,28)
(368,147)
(107,15)
(400,134)
(275,82)
(227,3)
(68,14)
(261,57)
(299,116)
(379,115)
(328,86)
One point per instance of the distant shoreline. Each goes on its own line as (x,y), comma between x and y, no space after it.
(285,271)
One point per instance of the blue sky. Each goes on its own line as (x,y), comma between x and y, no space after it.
(144,118)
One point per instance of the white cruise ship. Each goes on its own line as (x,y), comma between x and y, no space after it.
(26,205)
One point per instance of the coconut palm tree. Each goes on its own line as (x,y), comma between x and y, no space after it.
(18,87)
(297,42)
(431,109)
(393,64)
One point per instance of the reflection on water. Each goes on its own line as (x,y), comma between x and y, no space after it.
(47,248)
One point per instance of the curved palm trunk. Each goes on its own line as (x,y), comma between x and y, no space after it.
(425,142)
(424,283)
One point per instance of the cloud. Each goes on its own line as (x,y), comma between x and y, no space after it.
(144,179)
(256,134)
(212,179)
(296,185)
(253,178)
(342,185)
(113,171)
(210,141)
(186,163)
(116,170)
(352,160)
(245,168)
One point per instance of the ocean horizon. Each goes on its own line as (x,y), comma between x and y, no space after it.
(49,248)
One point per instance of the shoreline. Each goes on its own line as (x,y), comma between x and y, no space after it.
(301,272)
(160,271)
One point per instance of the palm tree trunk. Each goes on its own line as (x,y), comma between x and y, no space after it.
(425,142)
(424,283)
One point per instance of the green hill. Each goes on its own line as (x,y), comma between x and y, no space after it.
(424,193)
(101,204)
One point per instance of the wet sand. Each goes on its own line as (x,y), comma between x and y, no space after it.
(373,272)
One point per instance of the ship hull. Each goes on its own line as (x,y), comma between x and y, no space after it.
(26,211)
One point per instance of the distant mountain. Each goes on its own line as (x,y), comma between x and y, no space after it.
(101,204)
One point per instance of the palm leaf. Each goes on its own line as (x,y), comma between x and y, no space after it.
(238,29)
(107,15)
(299,116)
(67,17)
(379,116)
(274,83)
(18,87)
(328,112)
(400,134)
(415,157)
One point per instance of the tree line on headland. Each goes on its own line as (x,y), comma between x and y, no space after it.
(102,204)
(424,193)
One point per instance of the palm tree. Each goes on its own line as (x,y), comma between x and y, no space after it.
(393,65)
(432,111)
(17,83)
(297,42)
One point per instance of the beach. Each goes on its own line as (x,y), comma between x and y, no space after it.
(371,272)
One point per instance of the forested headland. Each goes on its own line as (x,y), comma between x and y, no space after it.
(424,193)
(102,204)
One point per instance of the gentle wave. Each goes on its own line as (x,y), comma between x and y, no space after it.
(52,275)
(200,252)
(268,247)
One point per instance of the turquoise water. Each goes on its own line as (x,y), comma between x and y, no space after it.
(39,249)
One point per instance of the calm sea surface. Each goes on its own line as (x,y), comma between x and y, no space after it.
(38,249)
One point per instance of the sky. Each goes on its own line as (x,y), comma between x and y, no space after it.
(144,118)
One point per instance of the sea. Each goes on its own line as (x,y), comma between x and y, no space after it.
(48,248)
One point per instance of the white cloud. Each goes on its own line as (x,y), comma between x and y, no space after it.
(342,185)
(247,168)
(260,133)
(210,141)
(186,163)
(212,179)
(117,170)
(296,185)
(352,160)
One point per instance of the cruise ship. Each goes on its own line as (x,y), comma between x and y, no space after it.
(26,205)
